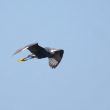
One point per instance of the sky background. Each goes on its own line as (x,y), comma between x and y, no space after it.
(81,81)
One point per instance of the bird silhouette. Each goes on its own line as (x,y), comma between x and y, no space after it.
(54,55)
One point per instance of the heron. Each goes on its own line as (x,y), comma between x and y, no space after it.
(54,55)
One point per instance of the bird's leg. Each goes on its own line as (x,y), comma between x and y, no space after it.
(31,56)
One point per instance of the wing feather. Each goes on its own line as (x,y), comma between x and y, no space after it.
(55,60)
(24,48)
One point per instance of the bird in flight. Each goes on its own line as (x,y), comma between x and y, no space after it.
(54,55)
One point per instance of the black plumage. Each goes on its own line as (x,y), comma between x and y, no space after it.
(54,55)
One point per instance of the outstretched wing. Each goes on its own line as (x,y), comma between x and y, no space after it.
(55,60)
(24,48)
(39,51)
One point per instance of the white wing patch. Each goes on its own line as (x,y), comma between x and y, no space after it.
(53,63)
(53,50)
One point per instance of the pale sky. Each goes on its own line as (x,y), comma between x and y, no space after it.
(82,79)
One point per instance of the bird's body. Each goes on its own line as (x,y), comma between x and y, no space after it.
(54,55)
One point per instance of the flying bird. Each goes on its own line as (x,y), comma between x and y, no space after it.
(54,55)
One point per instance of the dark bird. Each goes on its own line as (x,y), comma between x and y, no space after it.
(54,55)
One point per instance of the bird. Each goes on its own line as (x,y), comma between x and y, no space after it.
(54,55)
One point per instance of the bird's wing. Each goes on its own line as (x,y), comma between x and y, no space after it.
(55,60)
(39,51)
(35,48)
(24,48)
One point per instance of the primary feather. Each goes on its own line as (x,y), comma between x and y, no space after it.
(56,58)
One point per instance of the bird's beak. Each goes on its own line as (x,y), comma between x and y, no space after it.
(21,60)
